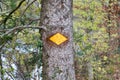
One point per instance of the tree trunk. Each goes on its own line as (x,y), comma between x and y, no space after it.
(118,23)
(58,60)
(1,68)
(90,70)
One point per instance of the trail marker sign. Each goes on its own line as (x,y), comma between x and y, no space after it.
(58,38)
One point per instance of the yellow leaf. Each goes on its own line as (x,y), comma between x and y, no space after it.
(0,18)
(99,69)
(105,58)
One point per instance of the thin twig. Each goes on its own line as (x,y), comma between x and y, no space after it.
(28,7)
(7,17)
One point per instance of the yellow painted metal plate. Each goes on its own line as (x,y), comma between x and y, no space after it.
(58,38)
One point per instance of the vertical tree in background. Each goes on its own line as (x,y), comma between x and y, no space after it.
(113,11)
(58,61)
(118,22)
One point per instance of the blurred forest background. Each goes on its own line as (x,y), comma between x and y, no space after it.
(96,39)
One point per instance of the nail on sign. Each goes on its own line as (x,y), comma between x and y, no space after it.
(58,38)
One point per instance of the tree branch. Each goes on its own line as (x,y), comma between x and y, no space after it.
(9,31)
(28,6)
(3,30)
(5,20)
(23,27)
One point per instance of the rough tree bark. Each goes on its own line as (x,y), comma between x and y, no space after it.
(58,60)
(118,23)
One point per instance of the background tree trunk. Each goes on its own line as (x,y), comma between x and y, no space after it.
(58,60)
(118,24)
(1,68)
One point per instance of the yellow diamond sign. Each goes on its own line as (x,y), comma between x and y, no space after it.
(58,38)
